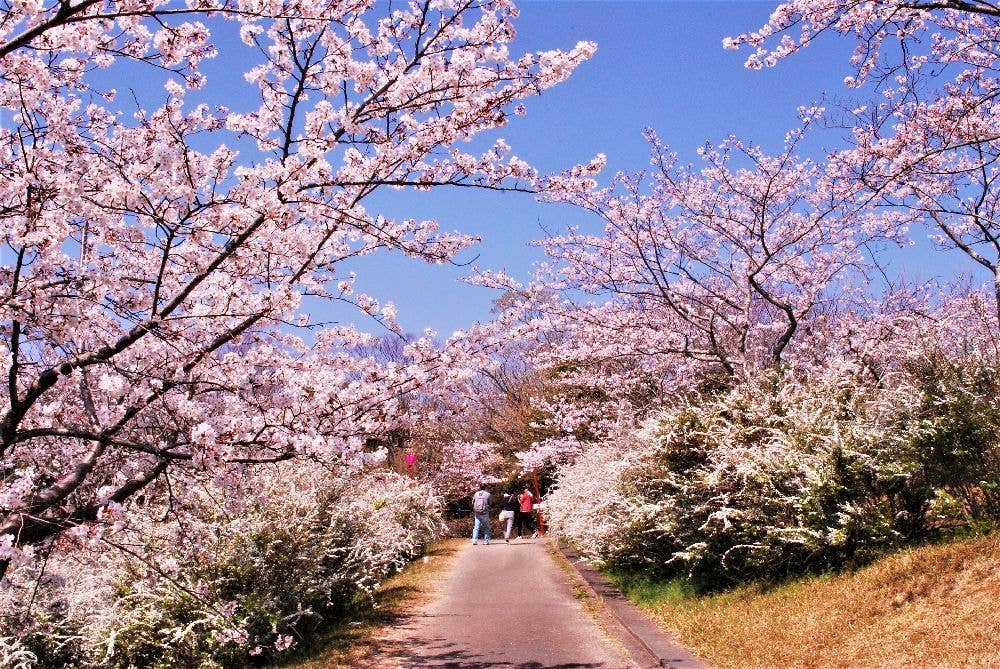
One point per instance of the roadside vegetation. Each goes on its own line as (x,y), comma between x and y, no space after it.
(282,569)
(793,473)
(352,640)
(932,606)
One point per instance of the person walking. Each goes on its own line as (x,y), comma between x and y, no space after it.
(509,506)
(526,501)
(481,514)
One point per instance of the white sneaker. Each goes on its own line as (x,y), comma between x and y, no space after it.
(474,542)
(486,543)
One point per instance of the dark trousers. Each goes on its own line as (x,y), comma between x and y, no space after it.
(525,524)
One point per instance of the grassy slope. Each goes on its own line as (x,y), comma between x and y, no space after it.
(936,606)
(350,643)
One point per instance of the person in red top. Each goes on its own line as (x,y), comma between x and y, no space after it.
(524,519)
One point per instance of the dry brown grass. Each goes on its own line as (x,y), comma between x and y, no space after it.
(937,606)
(583,593)
(348,645)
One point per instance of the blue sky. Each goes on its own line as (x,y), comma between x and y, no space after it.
(660,63)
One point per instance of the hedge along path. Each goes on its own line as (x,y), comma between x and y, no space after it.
(350,643)
(503,605)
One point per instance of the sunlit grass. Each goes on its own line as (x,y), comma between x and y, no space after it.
(648,592)
(936,606)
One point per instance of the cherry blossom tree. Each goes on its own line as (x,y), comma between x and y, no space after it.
(928,141)
(700,274)
(724,262)
(156,258)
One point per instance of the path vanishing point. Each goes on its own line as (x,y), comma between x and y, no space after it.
(508,606)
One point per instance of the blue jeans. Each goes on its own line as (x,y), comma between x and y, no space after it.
(484,520)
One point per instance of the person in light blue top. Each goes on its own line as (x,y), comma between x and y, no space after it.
(481,514)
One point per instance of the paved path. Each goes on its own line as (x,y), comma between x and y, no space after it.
(507,606)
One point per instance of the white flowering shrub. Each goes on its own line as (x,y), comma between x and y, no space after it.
(786,473)
(14,655)
(590,505)
(227,587)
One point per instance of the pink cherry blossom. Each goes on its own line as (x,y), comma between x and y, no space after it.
(156,259)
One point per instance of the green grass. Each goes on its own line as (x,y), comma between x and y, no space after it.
(647,591)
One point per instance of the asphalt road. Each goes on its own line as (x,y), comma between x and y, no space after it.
(506,606)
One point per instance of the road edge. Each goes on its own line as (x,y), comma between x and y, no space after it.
(661,646)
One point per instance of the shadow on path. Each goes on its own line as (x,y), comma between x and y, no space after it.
(504,606)
(412,651)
